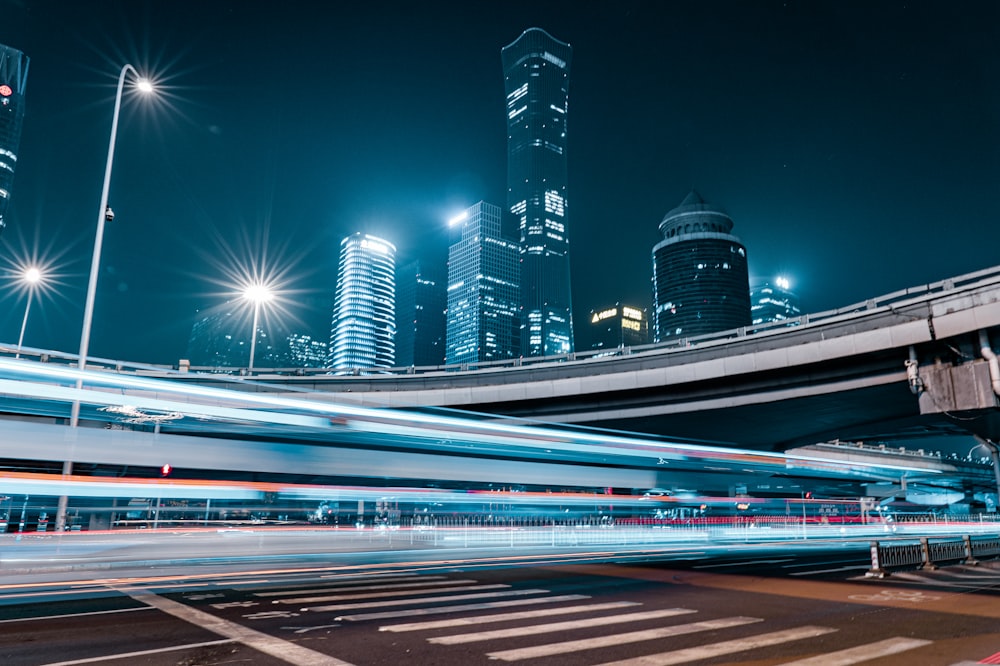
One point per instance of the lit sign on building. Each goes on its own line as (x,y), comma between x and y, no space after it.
(605,314)
(632,313)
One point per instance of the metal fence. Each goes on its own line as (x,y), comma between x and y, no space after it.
(928,554)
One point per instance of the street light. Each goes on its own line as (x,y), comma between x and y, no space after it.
(31,277)
(103,214)
(257,293)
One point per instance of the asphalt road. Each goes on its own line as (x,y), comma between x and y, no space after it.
(766,608)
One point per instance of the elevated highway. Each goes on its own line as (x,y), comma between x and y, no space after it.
(910,364)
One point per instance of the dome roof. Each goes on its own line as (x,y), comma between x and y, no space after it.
(695,215)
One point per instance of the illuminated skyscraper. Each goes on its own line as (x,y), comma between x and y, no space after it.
(420,316)
(363,328)
(536,77)
(773,301)
(483,298)
(700,279)
(13,78)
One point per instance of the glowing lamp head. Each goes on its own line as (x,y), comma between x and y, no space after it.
(782,282)
(144,86)
(461,217)
(32,275)
(258,293)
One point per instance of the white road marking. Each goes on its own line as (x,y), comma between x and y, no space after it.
(383,595)
(856,567)
(425,600)
(531,630)
(618,639)
(503,617)
(142,653)
(363,588)
(357,585)
(742,563)
(726,647)
(59,617)
(461,608)
(861,653)
(275,647)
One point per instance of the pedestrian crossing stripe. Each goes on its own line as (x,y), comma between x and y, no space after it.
(560,626)
(723,648)
(460,608)
(861,653)
(383,595)
(425,600)
(618,639)
(360,585)
(505,617)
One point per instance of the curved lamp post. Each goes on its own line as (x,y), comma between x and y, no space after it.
(104,214)
(258,294)
(31,277)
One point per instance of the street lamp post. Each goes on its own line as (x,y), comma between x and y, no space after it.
(257,293)
(104,214)
(32,276)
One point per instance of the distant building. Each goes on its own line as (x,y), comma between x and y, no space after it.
(618,326)
(13,79)
(304,352)
(220,339)
(536,77)
(773,302)
(363,326)
(421,300)
(483,293)
(700,279)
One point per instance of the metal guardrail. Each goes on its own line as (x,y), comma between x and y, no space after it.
(929,554)
(977,278)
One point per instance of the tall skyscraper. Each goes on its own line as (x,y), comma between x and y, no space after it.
(13,78)
(421,299)
(363,328)
(483,292)
(700,278)
(536,77)
(773,302)
(304,352)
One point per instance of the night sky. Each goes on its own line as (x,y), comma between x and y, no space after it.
(856,145)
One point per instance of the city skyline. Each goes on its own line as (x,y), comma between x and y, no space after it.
(855,166)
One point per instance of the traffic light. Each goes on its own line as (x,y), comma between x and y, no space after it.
(166,470)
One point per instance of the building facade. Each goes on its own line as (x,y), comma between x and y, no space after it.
(773,302)
(219,340)
(483,293)
(363,326)
(304,352)
(13,79)
(700,279)
(536,78)
(421,300)
(618,326)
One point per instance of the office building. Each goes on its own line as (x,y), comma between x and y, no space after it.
(13,78)
(421,300)
(363,326)
(304,352)
(483,293)
(220,338)
(618,326)
(536,77)
(700,279)
(773,302)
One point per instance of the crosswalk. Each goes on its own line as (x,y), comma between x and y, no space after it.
(536,623)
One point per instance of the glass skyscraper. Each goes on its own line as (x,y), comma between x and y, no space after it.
(700,279)
(773,302)
(483,293)
(536,77)
(421,301)
(363,327)
(13,78)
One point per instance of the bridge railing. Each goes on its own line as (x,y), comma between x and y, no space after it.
(978,278)
(928,554)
